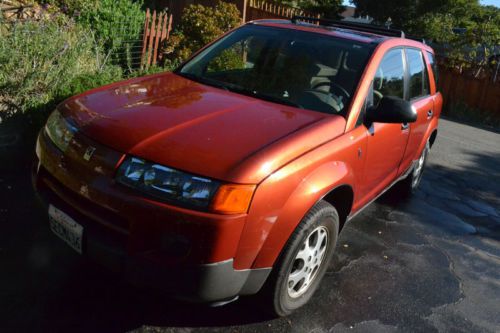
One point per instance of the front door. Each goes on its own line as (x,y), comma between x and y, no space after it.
(386,142)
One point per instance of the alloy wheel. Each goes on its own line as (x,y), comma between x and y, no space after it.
(307,262)
(419,168)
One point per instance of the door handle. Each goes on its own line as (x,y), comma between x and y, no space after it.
(430,113)
(405,126)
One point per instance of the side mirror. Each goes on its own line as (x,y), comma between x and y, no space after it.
(391,110)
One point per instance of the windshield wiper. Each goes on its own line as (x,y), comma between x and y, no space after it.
(204,80)
(276,99)
(256,94)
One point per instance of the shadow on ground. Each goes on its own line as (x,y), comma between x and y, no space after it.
(421,265)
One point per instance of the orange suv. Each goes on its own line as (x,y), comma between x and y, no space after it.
(234,174)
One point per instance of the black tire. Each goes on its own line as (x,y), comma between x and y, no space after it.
(321,219)
(408,186)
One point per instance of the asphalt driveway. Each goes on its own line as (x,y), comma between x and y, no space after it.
(430,264)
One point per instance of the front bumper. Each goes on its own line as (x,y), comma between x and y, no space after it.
(186,253)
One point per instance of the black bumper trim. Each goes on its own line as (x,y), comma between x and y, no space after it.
(201,283)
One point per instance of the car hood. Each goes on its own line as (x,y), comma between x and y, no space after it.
(200,129)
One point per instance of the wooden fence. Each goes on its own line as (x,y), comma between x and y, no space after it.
(157,29)
(480,94)
(259,9)
(250,9)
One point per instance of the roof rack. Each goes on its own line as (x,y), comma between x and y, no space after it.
(376,29)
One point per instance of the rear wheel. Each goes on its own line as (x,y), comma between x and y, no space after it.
(303,261)
(409,185)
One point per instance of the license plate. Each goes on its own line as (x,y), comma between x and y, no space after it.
(66,228)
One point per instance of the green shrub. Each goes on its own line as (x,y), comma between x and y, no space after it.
(199,26)
(154,69)
(72,7)
(117,25)
(42,62)
(87,81)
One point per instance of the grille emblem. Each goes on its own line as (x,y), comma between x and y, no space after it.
(88,153)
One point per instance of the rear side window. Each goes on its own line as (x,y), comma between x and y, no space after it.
(419,81)
(432,62)
(389,79)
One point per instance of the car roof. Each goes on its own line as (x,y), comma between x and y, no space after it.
(336,31)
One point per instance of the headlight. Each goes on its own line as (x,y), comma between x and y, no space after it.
(59,130)
(167,183)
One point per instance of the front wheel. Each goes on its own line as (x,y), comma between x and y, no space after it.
(303,261)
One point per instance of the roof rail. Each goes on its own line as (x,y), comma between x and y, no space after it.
(418,39)
(376,29)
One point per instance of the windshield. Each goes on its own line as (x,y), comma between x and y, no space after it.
(307,70)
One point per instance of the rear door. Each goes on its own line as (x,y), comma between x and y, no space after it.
(419,94)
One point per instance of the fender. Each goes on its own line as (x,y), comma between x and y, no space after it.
(295,190)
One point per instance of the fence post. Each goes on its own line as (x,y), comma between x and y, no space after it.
(164,28)
(145,37)
(151,39)
(157,39)
(244,11)
(169,29)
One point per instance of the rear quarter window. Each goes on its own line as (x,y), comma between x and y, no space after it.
(433,63)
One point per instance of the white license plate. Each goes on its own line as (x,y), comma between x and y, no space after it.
(66,228)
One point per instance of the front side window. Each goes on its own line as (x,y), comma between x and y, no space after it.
(419,82)
(389,78)
(307,70)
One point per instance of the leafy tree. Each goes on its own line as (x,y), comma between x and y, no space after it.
(462,31)
(469,39)
(329,8)
(404,12)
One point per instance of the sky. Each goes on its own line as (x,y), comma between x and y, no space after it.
(491,2)
(483,2)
